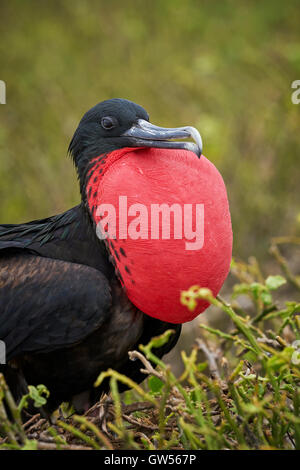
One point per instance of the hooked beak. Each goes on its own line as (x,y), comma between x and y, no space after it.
(145,134)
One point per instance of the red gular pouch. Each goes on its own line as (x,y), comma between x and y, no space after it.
(166,215)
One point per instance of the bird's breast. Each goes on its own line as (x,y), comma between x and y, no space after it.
(164,216)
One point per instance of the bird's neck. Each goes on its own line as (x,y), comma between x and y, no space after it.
(94,174)
(92,192)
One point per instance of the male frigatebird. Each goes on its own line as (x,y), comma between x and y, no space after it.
(65,294)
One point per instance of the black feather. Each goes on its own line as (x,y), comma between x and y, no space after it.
(63,313)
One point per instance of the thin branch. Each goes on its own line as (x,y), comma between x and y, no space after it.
(149,370)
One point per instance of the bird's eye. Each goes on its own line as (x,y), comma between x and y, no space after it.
(108,122)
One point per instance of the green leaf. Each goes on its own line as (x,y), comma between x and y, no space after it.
(266,298)
(273,282)
(36,394)
(257,289)
(239,289)
(30,445)
(201,366)
(155,384)
(159,341)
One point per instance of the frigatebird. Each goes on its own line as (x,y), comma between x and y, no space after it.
(64,314)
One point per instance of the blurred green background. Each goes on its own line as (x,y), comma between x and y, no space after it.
(224,67)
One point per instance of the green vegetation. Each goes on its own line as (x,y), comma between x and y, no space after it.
(224,67)
(240,388)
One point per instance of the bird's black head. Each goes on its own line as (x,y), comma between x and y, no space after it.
(101,128)
(119,123)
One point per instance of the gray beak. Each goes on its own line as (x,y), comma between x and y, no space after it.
(145,134)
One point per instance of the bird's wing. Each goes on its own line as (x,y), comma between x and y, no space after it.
(69,236)
(46,304)
(38,231)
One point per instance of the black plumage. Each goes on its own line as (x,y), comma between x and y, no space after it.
(64,316)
